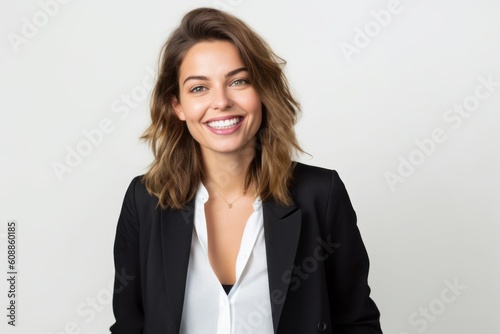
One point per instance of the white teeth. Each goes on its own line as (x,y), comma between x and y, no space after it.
(224,124)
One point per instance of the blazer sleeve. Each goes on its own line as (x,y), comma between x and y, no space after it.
(127,301)
(353,311)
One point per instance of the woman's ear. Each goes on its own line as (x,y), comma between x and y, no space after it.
(176,105)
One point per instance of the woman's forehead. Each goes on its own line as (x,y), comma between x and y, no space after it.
(210,58)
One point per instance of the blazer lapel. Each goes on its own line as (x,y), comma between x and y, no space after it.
(282,230)
(176,235)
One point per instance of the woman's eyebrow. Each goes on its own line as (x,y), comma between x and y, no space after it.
(194,77)
(228,74)
(236,71)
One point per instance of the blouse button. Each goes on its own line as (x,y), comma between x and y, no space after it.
(321,326)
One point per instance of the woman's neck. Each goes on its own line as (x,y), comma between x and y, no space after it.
(226,173)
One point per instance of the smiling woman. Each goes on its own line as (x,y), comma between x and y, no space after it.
(221,108)
(225,233)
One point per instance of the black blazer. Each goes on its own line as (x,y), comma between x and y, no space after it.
(317,263)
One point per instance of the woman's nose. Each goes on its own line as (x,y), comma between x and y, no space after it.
(220,99)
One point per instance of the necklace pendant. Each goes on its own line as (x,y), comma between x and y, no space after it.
(229,205)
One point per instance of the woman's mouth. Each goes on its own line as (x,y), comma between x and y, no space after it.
(225,124)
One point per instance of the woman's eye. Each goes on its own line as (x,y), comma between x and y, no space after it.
(240,82)
(197,89)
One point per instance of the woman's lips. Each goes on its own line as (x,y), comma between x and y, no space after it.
(225,126)
(224,123)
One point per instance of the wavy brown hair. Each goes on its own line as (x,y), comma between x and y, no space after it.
(177,169)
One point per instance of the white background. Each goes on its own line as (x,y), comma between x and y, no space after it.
(360,114)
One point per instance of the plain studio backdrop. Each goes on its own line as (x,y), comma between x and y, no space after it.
(402,98)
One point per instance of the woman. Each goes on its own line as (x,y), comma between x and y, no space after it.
(225,233)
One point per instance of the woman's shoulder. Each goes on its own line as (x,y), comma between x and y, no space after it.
(310,180)
(137,184)
(138,192)
(312,174)
(312,184)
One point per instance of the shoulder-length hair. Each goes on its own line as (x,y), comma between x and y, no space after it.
(177,169)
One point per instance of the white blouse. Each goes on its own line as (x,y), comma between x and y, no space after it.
(247,308)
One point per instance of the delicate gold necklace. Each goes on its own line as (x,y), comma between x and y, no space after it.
(230,204)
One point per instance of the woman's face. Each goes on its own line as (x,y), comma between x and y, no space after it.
(221,108)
